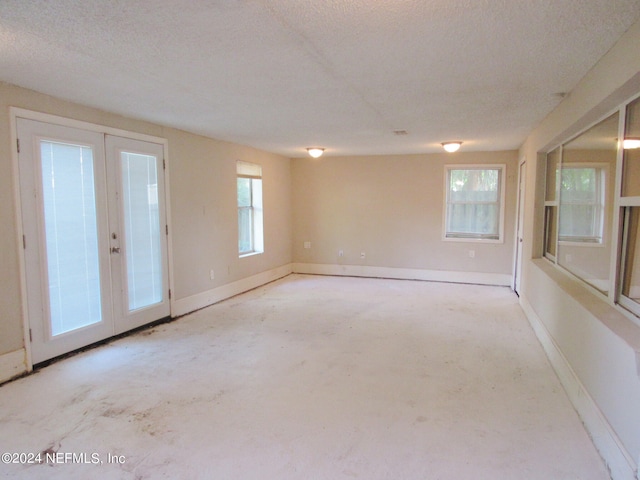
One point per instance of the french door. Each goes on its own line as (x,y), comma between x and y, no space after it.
(94,222)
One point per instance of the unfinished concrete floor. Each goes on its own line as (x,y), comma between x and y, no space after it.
(310,378)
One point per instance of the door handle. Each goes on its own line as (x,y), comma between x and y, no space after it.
(115,249)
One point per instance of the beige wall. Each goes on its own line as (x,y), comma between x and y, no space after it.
(204,212)
(203,206)
(391,208)
(600,344)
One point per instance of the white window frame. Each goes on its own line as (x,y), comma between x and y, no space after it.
(613,296)
(551,205)
(452,237)
(624,202)
(626,302)
(253,172)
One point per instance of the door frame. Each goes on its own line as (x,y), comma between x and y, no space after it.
(14,114)
(519,227)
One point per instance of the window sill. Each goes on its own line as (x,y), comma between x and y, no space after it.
(569,243)
(617,319)
(249,254)
(472,240)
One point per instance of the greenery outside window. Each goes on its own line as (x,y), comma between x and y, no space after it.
(474,206)
(582,204)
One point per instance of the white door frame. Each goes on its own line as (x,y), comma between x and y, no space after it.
(15,113)
(519,233)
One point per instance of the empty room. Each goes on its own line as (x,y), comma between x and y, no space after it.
(252,239)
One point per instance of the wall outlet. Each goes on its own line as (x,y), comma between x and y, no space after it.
(212,274)
(472,254)
(341,253)
(307,244)
(362,255)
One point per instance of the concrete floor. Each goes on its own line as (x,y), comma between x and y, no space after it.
(310,378)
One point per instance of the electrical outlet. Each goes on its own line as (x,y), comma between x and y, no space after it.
(307,244)
(472,254)
(341,253)
(212,274)
(362,255)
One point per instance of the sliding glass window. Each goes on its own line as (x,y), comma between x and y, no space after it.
(630,211)
(551,204)
(580,184)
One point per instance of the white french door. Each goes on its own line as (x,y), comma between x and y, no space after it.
(94,221)
(135,184)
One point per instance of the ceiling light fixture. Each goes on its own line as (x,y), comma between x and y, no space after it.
(315,152)
(451,146)
(631,143)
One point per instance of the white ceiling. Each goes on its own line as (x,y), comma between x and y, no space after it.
(282,75)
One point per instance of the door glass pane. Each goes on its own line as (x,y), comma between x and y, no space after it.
(141,229)
(71,236)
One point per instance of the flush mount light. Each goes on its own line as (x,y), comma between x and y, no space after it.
(315,152)
(631,143)
(451,146)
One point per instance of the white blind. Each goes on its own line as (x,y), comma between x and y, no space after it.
(246,169)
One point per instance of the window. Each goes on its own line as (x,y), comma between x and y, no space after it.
(551,204)
(631,259)
(474,204)
(630,213)
(579,203)
(592,207)
(582,203)
(249,189)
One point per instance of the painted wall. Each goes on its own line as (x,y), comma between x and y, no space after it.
(203,205)
(391,208)
(591,338)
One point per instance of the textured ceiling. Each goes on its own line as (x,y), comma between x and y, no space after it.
(282,75)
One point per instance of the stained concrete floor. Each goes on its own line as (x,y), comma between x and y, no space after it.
(310,378)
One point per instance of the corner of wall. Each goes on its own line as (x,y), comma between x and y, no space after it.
(13,364)
(190,304)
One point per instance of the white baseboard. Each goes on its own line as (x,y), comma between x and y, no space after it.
(186,305)
(621,465)
(403,273)
(13,364)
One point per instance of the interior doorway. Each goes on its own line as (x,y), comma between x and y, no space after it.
(517,269)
